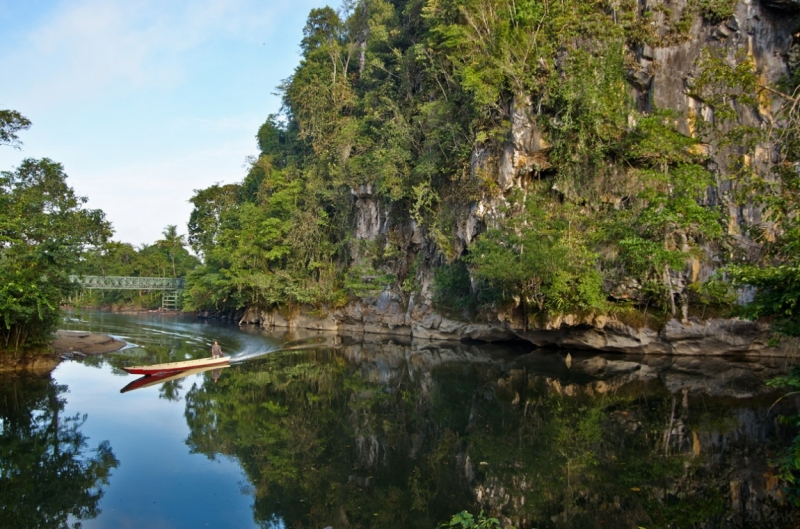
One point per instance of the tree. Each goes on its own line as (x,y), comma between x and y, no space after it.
(172,243)
(669,220)
(44,231)
(204,221)
(12,122)
(323,28)
(540,258)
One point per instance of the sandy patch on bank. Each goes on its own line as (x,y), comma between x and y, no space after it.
(85,342)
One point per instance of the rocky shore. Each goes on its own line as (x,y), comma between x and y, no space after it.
(65,344)
(85,343)
(386,314)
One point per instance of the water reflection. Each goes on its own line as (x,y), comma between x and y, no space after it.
(157,338)
(49,477)
(363,432)
(170,381)
(404,435)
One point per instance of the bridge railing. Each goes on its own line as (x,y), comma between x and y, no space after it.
(129,283)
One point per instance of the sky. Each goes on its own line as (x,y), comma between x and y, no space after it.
(145,101)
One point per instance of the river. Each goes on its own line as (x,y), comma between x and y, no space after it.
(372,432)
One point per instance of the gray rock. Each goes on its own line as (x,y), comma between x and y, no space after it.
(386,316)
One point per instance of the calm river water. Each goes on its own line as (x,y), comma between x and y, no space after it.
(373,433)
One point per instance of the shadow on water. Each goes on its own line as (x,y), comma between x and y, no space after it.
(49,477)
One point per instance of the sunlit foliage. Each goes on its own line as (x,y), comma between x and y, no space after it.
(44,231)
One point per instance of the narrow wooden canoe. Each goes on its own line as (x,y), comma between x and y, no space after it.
(171,367)
(152,380)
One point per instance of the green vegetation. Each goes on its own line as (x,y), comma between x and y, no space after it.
(466,520)
(168,257)
(788,460)
(11,122)
(538,256)
(407,106)
(44,232)
(716,11)
(453,289)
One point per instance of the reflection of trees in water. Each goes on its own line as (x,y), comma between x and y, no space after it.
(321,446)
(170,390)
(47,473)
(390,436)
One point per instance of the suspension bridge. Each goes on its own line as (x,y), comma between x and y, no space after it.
(170,287)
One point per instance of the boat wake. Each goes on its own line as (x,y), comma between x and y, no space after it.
(297,345)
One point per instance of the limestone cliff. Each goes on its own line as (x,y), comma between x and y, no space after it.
(661,74)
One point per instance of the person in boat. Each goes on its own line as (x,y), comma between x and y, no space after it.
(216,351)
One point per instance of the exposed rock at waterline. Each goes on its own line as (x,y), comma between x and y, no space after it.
(387,316)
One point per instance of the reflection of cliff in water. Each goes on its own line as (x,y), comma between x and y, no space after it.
(404,435)
(625,436)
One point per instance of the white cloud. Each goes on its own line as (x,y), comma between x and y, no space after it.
(85,48)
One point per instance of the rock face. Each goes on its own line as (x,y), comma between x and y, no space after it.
(694,337)
(387,316)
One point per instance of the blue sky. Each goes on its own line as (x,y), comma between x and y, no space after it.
(144,101)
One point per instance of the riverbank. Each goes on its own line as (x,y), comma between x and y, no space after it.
(87,343)
(389,314)
(120,309)
(65,344)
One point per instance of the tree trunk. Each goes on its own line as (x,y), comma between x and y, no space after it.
(362,40)
(668,281)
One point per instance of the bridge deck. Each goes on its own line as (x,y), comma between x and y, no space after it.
(129,283)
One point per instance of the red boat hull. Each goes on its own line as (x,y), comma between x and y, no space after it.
(173,367)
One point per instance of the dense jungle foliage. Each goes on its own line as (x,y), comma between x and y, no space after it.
(44,231)
(410,102)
